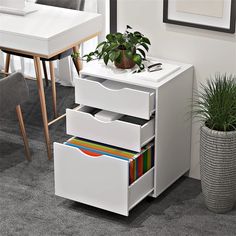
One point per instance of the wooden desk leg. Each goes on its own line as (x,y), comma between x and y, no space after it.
(45,73)
(43,104)
(23,132)
(7,64)
(54,91)
(77,62)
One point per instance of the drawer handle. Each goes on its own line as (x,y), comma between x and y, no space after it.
(119,89)
(85,152)
(113,121)
(101,121)
(90,153)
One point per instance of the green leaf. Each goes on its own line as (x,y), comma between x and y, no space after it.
(106,59)
(133,40)
(113,46)
(110,37)
(105,48)
(129,54)
(128,27)
(100,44)
(75,55)
(142,52)
(87,58)
(146,40)
(141,67)
(119,36)
(137,59)
(128,45)
(145,46)
(100,56)
(112,56)
(118,54)
(138,34)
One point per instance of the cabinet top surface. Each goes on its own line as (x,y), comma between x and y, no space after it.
(170,70)
(45,23)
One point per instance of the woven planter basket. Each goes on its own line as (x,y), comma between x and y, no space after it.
(218,169)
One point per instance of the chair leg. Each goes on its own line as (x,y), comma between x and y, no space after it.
(54,91)
(45,73)
(7,64)
(23,132)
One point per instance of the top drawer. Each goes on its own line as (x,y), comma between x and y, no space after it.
(114,96)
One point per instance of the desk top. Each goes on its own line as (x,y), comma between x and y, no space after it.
(48,30)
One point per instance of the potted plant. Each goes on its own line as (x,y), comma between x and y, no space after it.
(125,50)
(216,107)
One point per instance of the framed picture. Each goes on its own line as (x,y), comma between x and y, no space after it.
(218,15)
(113,16)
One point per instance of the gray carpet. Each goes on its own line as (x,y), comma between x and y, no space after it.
(28,205)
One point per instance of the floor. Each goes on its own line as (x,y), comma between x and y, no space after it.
(28,205)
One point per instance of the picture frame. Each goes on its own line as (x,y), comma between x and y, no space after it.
(174,12)
(113,16)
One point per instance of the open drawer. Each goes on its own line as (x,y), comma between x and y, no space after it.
(114,96)
(126,132)
(98,180)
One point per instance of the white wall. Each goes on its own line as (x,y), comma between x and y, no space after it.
(103,8)
(208,51)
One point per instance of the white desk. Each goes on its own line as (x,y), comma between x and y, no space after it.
(44,34)
(48,31)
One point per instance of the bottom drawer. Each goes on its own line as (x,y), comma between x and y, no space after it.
(98,180)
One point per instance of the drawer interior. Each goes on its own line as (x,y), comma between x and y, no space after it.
(139,163)
(124,118)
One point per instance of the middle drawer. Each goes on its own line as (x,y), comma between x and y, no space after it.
(126,132)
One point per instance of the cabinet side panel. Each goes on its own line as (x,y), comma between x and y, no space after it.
(173,130)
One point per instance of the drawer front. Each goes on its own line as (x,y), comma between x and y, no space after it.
(137,102)
(118,133)
(100,181)
(97,181)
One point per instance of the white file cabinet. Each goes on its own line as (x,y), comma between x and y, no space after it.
(152,107)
